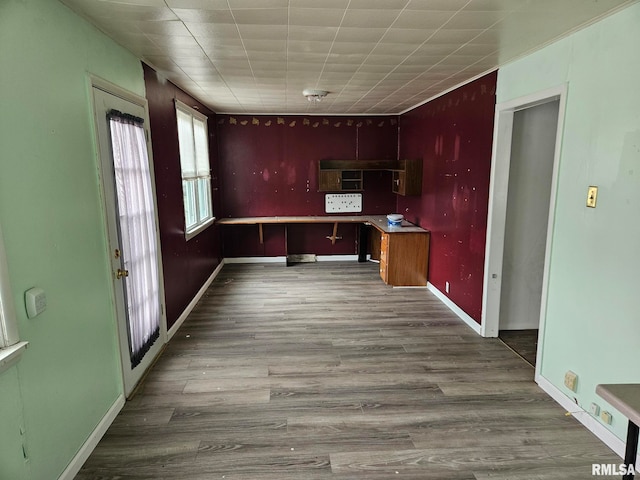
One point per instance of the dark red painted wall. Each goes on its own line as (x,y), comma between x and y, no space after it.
(269,167)
(453,135)
(186,264)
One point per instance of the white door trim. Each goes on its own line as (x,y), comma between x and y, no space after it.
(498,189)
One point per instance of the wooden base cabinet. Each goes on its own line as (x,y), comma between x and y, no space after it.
(404,258)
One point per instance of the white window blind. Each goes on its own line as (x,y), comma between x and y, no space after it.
(196,171)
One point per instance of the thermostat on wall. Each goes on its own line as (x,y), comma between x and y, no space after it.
(36,301)
(343,202)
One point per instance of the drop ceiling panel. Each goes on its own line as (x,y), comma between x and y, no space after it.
(373,56)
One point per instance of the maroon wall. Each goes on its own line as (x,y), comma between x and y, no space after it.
(186,264)
(269,167)
(453,135)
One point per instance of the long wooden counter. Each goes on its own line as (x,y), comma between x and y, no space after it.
(403,250)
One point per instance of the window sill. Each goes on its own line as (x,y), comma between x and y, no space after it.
(9,356)
(199,228)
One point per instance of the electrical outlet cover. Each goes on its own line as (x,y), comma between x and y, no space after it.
(571,381)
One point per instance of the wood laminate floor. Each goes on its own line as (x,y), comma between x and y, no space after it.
(320,371)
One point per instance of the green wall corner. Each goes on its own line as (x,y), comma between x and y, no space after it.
(52,221)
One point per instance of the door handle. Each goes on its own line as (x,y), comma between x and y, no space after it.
(122,273)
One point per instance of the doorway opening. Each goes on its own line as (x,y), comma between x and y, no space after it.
(522,204)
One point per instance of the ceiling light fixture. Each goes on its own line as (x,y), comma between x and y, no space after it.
(314,95)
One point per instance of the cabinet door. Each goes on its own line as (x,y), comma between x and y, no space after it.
(407,180)
(329,181)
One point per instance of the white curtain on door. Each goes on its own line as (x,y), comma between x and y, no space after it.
(137,232)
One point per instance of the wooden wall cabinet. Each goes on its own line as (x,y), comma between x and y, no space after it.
(340,180)
(407,179)
(404,258)
(329,180)
(346,175)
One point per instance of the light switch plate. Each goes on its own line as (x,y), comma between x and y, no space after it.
(592,196)
(571,381)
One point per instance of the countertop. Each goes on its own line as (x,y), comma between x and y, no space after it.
(380,222)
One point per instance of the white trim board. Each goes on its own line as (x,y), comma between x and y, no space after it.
(183,316)
(94,438)
(464,316)
(319,258)
(255,260)
(337,258)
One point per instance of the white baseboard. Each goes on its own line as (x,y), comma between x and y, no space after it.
(183,316)
(90,444)
(475,326)
(319,258)
(256,260)
(337,258)
(580,414)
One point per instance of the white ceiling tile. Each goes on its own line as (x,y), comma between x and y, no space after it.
(431,20)
(475,20)
(375,56)
(202,62)
(316,4)
(460,60)
(168,28)
(198,4)
(407,35)
(454,36)
(204,16)
(437,5)
(275,57)
(201,31)
(489,5)
(311,33)
(378,4)
(363,18)
(261,16)
(477,49)
(253,4)
(303,46)
(318,17)
(352,47)
(348,34)
(399,50)
(347,58)
(273,45)
(267,32)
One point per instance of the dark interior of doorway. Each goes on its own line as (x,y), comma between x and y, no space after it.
(522,342)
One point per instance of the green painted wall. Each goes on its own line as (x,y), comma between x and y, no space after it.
(593,317)
(51,217)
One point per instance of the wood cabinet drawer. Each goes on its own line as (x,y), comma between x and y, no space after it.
(384,241)
(384,272)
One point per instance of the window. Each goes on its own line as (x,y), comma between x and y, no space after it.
(196,172)
(10,347)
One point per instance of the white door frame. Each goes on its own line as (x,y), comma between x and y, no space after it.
(498,189)
(108,87)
